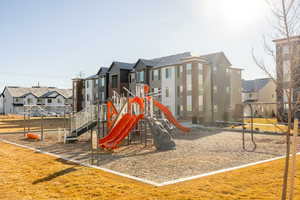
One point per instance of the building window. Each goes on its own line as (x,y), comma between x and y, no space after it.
(159,74)
(140,76)
(178,71)
(181,108)
(114,81)
(200,102)
(227,70)
(214,68)
(215,89)
(102,81)
(215,108)
(285,49)
(58,100)
(155,75)
(178,91)
(29,101)
(49,100)
(189,68)
(168,73)
(87,84)
(152,75)
(189,103)
(286,70)
(227,89)
(178,110)
(87,97)
(200,67)
(167,92)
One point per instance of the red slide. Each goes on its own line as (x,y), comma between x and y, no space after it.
(115,131)
(133,120)
(120,131)
(170,116)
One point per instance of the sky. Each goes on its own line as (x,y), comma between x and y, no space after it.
(50,42)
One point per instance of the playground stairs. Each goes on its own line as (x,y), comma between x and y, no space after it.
(82,122)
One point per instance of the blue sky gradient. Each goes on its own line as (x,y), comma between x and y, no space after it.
(50,42)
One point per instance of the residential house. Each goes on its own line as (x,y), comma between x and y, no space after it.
(119,77)
(261,94)
(14,98)
(193,87)
(284,75)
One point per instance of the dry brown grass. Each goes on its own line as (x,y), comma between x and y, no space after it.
(28,175)
(17,124)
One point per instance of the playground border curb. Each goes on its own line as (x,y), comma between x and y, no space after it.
(141,179)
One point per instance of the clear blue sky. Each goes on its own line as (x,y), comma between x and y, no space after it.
(52,41)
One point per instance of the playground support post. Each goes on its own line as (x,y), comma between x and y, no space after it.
(24,125)
(42,128)
(294,151)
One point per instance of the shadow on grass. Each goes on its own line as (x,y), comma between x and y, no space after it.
(55,175)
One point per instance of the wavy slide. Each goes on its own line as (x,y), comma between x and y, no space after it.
(168,114)
(120,131)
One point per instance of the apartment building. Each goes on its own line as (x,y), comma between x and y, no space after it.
(261,93)
(284,57)
(118,74)
(203,88)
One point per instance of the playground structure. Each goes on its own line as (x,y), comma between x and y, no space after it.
(43,114)
(122,117)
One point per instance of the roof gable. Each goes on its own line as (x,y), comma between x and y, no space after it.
(254,85)
(121,65)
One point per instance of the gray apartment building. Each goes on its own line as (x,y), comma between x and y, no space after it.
(204,88)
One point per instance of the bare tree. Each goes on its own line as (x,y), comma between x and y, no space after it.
(286,74)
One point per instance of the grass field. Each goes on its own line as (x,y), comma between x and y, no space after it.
(25,174)
(15,123)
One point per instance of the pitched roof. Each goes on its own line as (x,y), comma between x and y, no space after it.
(91,77)
(102,70)
(165,61)
(122,65)
(38,91)
(178,59)
(254,85)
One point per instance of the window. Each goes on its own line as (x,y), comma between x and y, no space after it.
(215,88)
(49,100)
(152,75)
(189,68)
(178,110)
(114,81)
(200,67)
(200,102)
(87,84)
(215,68)
(155,74)
(29,101)
(285,49)
(189,103)
(181,89)
(167,92)
(286,70)
(178,71)
(215,108)
(87,97)
(227,89)
(181,108)
(140,76)
(168,73)
(58,100)
(159,74)
(102,81)
(250,95)
(17,100)
(178,91)
(227,70)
